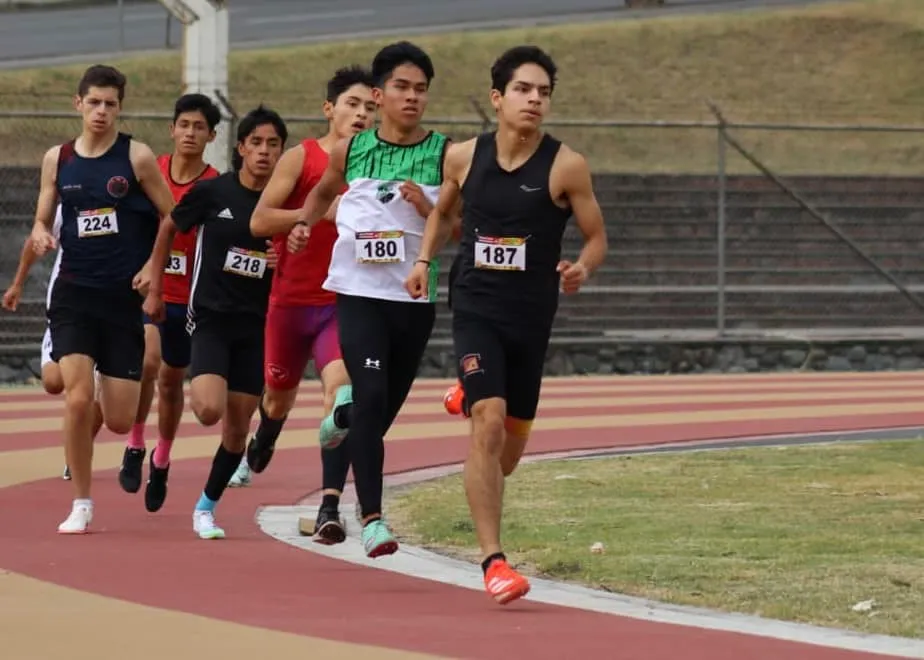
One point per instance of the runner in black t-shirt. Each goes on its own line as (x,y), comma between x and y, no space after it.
(228,298)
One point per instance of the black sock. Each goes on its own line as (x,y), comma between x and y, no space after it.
(343,415)
(335,465)
(492,558)
(330,502)
(223,466)
(269,429)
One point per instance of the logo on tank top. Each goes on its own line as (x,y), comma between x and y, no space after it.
(117,186)
(385,192)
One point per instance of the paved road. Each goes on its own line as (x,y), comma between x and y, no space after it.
(46,36)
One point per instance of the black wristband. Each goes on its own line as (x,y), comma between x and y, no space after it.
(422,261)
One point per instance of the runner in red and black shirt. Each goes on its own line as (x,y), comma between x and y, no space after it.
(167,344)
(301,323)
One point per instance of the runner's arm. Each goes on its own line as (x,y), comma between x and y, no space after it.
(48,192)
(153,183)
(579,191)
(269,218)
(191,211)
(27,258)
(332,183)
(445,214)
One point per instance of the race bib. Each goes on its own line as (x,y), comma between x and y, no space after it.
(176,265)
(97,222)
(380,247)
(500,253)
(246,263)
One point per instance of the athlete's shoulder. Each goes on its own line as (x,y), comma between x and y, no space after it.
(569,160)
(209,173)
(139,152)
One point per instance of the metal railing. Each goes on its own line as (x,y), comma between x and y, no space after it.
(726,224)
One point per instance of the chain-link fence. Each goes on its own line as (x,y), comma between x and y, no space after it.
(701,236)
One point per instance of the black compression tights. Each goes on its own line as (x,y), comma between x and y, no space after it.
(382,343)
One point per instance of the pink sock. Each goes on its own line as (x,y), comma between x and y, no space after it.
(136,438)
(162,453)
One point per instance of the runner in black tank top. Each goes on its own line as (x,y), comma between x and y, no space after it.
(519,187)
(112,195)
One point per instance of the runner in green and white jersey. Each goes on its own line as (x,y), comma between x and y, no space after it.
(394,174)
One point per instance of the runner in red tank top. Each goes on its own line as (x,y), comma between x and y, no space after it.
(167,344)
(301,323)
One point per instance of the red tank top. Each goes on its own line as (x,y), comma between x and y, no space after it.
(178,273)
(299,278)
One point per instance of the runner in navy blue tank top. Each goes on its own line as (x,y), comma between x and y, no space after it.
(518,186)
(112,196)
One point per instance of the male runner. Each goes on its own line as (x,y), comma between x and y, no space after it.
(301,323)
(518,186)
(50,370)
(111,194)
(228,298)
(166,354)
(394,174)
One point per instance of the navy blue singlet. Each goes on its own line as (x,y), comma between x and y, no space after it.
(109,224)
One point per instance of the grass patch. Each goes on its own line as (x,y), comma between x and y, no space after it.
(798,533)
(823,63)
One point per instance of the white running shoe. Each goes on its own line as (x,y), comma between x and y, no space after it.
(204,525)
(241,476)
(78,522)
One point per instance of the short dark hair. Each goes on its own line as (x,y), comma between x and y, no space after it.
(394,55)
(197,103)
(505,65)
(259,116)
(345,78)
(101,75)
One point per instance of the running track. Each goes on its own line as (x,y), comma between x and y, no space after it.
(143,586)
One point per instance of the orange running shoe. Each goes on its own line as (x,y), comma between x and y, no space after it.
(454,400)
(503,583)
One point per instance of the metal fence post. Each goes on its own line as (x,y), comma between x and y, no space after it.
(720,235)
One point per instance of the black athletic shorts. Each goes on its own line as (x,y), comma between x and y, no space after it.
(228,345)
(175,343)
(104,325)
(500,360)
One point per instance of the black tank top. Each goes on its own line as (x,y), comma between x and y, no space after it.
(512,229)
(108,223)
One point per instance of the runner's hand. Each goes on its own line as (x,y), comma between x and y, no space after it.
(298,238)
(142,280)
(272,257)
(154,307)
(11,297)
(417,283)
(414,194)
(42,240)
(573,275)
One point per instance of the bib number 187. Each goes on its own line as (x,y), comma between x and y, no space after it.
(500,253)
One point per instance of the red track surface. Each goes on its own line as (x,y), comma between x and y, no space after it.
(251,579)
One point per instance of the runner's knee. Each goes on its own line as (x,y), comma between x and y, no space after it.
(516,437)
(170,383)
(51,379)
(488,426)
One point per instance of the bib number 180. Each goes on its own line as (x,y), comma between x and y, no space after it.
(380,247)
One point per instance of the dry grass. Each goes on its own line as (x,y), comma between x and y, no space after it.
(799,533)
(825,63)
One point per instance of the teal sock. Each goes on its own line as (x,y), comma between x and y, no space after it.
(205,504)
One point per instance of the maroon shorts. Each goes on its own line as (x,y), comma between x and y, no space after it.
(295,335)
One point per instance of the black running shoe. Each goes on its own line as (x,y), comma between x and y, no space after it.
(130,472)
(328,528)
(155,492)
(259,454)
